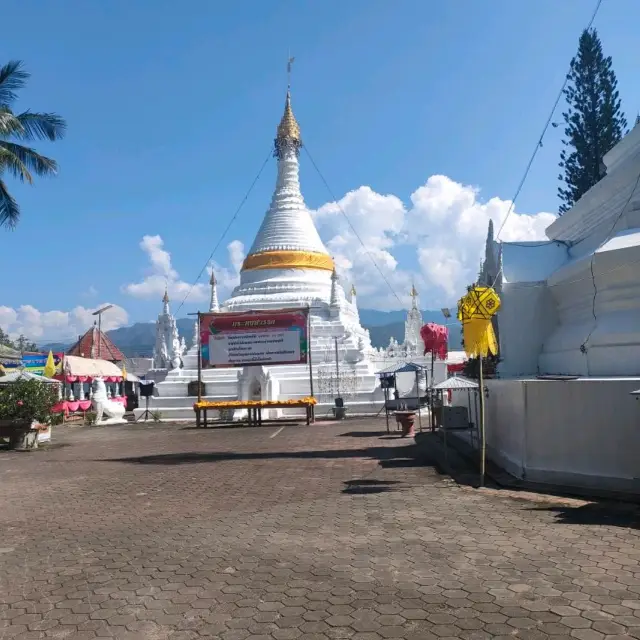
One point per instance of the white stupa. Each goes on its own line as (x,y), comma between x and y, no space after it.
(288,266)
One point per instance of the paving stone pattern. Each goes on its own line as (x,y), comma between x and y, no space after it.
(316,533)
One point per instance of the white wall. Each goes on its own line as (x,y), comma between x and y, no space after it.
(583,433)
(527,316)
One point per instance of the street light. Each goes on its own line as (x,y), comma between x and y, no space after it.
(99,313)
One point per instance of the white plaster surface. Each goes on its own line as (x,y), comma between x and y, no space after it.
(581,432)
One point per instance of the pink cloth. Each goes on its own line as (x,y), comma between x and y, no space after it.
(435,337)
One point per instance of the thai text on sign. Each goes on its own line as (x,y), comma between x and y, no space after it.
(254,338)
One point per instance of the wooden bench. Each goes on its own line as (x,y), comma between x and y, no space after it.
(255,418)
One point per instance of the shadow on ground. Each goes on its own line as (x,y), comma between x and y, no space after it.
(597,513)
(388,457)
(368,486)
(382,454)
(366,434)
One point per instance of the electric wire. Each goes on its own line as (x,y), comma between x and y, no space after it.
(539,143)
(355,233)
(226,230)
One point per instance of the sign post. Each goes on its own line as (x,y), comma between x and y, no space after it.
(199,362)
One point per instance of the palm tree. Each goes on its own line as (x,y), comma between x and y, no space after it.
(16,159)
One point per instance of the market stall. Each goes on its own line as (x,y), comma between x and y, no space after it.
(76,377)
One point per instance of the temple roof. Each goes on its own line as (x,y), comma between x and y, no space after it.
(96,344)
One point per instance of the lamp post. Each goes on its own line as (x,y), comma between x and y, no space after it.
(99,313)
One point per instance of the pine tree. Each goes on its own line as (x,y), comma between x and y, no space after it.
(594,119)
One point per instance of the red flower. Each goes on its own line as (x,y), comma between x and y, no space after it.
(20,403)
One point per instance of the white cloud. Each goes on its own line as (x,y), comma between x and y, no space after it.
(49,326)
(228,278)
(436,241)
(161,274)
(443,230)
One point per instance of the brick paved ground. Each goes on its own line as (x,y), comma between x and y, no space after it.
(316,533)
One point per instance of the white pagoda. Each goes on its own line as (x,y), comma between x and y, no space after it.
(288,266)
(168,346)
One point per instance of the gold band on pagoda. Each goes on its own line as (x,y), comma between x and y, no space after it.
(288,260)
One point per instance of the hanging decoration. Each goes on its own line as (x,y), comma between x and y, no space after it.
(435,338)
(475,311)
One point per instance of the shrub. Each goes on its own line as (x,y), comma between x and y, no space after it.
(28,400)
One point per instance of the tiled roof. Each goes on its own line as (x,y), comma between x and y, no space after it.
(95,344)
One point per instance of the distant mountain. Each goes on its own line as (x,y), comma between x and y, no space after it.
(138,340)
(381,334)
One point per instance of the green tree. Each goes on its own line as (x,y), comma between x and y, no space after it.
(23,344)
(16,159)
(5,339)
(594,119)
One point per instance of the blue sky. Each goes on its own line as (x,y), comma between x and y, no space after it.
(172,108)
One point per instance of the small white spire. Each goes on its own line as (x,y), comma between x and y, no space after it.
(414,297)
(214,304)
(165,301)
(196,338)
(334,301)
(353,294)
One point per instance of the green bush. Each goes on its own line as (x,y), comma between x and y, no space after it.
(28,400)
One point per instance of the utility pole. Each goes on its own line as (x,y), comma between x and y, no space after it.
(99,313)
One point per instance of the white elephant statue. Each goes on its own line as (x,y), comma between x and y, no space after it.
(114,411)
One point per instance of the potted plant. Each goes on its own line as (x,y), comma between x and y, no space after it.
(23,403)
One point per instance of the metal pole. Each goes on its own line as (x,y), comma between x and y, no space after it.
(99,334)
(337,368)
(309,351)
(483,442)
(432,410)
(418,399)
(312,408)
(199,362)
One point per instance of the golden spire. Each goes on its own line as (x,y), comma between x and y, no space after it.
(414,292)
(165,297)
(353,289)
(289,129)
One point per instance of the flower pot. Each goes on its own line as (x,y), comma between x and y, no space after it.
(408,420)
(21,436)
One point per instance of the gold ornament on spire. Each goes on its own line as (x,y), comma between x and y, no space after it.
(353,290)
(414,292)
(165,297)
(289,128)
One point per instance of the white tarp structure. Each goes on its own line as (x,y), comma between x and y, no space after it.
(21,374)
(90,367)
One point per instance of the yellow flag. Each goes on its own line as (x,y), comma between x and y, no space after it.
(475,311)
(124,372)
(50,367)
(479,338)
